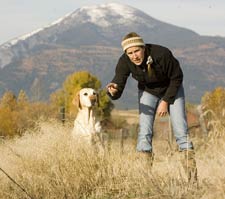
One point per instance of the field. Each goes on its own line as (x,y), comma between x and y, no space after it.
(46,163)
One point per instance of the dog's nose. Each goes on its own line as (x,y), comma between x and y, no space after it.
(93,99)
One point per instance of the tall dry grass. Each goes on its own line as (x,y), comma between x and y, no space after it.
(46,163)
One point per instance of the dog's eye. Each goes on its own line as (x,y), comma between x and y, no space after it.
(85,94)
(94,93)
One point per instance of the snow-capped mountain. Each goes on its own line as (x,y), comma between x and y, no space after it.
(101,24)
(104,16)
(89,39)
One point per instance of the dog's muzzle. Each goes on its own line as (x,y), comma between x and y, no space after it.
(93,99)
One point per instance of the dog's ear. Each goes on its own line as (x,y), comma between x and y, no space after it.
(98,99)
(76,101)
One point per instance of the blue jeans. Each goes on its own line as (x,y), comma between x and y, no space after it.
(147,110)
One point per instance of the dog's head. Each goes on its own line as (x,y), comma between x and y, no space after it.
(86,97)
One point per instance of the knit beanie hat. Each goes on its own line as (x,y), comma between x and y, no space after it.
(130,40)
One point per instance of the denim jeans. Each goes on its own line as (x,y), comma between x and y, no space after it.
(147,110)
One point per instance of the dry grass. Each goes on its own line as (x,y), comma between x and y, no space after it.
(47,163)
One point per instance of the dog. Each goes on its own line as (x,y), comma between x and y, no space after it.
(86,124)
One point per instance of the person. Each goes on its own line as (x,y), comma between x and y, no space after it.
(160,92)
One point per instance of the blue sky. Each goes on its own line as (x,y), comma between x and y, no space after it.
(18,17)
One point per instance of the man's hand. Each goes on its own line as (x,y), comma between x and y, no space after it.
(162,109)
(112,88)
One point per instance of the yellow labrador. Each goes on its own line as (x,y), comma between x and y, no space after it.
(86,124)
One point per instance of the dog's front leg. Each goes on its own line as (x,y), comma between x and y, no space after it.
(98,127)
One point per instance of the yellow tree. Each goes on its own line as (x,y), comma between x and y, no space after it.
(215,103)
(8,125)
(22,100)
(72,85)
(8,100)
(8,114)
(24,121)
(22,96)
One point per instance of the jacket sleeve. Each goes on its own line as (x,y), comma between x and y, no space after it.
(174,73)
(122,72)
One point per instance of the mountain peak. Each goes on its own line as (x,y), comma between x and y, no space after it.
(103,15)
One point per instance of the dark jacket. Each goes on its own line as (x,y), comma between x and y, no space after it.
(166,75)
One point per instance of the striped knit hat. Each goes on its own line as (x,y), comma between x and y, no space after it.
(130,40)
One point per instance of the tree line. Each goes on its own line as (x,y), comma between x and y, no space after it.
(19,113)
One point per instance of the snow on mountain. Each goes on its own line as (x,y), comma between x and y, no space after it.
(102,15)
(24,37)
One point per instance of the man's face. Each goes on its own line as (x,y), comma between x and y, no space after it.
(136,54)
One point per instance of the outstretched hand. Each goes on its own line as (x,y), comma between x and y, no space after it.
(112,88)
